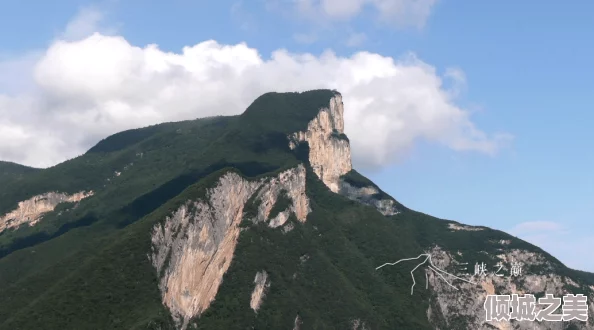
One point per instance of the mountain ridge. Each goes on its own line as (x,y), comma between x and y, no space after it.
(188,176)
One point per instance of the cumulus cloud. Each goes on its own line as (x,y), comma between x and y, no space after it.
(394,12)
(84,90)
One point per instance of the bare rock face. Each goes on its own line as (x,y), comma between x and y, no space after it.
(193,248)
(454,227)
(261,284)
(357,324)
(199,239)
(298,323)
(291,183)
(329,150)
(330,155)
(367,195)
(467,303)
(31,211)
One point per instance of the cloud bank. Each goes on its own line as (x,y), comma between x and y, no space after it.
(82,89)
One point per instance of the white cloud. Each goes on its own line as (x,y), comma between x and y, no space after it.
(393,12)
(458,80)
(87,21)
(82,90)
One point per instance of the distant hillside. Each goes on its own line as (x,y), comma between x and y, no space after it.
(11,172)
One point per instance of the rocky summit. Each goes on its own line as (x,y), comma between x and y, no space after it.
(256,221)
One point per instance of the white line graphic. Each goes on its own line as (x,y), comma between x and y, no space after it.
(431,266)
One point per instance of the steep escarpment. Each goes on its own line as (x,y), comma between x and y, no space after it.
(329,149)
(330,156)
(31,210)
(193,248)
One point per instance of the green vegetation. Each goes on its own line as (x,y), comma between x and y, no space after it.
(355,179)
(85,266)
(11,172)
(340,136)
(282,203)
(285,112)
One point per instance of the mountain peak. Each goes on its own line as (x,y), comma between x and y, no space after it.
(286,112)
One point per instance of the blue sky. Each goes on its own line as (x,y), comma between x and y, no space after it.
(527,69)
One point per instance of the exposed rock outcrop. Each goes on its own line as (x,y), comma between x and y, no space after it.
(298,323)
(454,226)
(357,324)
(32,210)
(261,284)
(193,248)
(450,305)
(330,155)
(329,149)
(197,242)
(368,195)
(291,183)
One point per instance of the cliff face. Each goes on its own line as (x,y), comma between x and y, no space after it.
(31,211)
(193,248)
(330,156)
(329,150)
(289,185)
(449,305)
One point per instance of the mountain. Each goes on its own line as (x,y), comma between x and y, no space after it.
(256,221)
(10,172)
